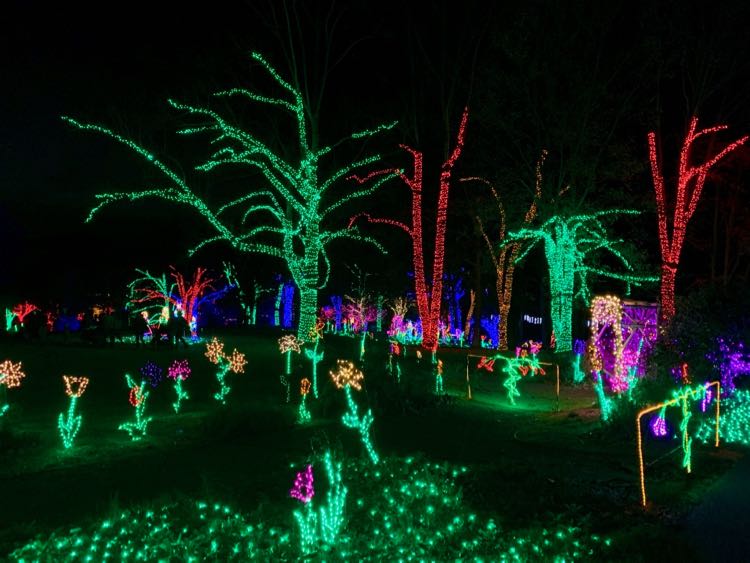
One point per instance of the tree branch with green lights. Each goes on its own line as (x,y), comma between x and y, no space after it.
(570,245)
(283,218)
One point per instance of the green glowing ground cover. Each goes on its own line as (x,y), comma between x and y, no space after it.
(406,509)
(529,468)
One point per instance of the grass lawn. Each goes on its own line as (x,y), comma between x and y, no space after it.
(528,466)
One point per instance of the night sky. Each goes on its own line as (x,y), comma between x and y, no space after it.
(656,65)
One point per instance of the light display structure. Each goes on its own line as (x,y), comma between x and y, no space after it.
(288,216)
(623,333)
(681,398)
(689,186)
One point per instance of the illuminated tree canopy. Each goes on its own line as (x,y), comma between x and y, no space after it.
(570,244)
(283,218)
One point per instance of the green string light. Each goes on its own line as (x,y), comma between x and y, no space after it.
(296,203)
(735,420)
(332,520)
(362,425)
(606,404)
(569,244)
(315,358)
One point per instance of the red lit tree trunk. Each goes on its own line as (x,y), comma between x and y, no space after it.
(429,297)
(689,185)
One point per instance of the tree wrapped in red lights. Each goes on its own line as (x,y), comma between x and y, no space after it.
(689,185)
(505,258)
(428,297)
(23,309)
(183,294)
(286,215)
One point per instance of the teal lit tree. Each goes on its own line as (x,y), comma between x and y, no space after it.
(286,218)
(570,246)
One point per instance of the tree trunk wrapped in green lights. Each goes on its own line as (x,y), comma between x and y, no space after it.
(568,243)
(289,213)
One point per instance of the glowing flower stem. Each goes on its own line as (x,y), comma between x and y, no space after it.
(303,415)
(69,426)
(179,371)
(332,515)
(362,425)
(181,395)
(605,403)
(221,376)
(307,520)
(439,390)
(314,358)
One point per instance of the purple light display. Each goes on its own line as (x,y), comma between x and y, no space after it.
(639,332)
(152,372)
(731,361)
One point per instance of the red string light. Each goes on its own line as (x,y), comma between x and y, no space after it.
(428,298)
(690,182)
(23,309)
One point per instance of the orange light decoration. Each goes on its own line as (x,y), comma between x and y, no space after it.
(347,374)
(304,386)
(680,397)
(428,298)
(504,259)
(11,374)
(214,350)
(290,343)
(237,362)
(689,185)
(75,386)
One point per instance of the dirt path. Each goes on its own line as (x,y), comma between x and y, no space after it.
(722,520)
